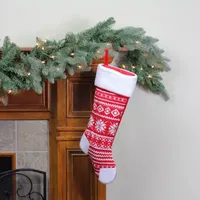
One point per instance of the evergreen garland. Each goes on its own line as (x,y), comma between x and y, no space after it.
(49,60)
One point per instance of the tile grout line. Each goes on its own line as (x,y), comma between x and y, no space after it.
(16,143)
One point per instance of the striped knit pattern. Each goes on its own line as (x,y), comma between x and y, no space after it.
(107,112)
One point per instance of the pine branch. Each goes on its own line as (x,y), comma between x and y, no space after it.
(49,60)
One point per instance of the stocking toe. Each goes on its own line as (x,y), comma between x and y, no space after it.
(107,175)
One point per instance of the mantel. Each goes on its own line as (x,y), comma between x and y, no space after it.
(29,104)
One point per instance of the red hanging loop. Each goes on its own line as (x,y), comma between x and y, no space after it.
(106,57)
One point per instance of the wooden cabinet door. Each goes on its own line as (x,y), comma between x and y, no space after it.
(76,178)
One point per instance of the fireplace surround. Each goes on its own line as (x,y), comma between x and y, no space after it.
(24,144)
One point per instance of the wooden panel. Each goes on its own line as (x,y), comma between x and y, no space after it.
(66,115)
(79,96)
(76,178)
(79,183)
(28,100)
(53,145)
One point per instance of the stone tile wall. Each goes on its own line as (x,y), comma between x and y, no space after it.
(29,140)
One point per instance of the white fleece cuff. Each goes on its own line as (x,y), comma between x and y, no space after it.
(114,81)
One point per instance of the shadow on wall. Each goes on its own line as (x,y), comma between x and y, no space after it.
(74,24)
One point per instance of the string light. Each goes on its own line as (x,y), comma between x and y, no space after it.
(80,67)
(133,67)
(137,41)
(145,54)
(149,76)
(40,43)
(124,66)
(141,68)
(9,91)
(98,51)
(43,62)
(57,69)
(72,54)
(52,57)
(28,73)
(152,66)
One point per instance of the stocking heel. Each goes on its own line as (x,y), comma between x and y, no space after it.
(84,144)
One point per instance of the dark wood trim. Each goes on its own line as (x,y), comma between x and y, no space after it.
(13,156)
(53,144)
(21,115)
(62,129)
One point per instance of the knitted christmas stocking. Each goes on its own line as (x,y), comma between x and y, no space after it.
(114,87)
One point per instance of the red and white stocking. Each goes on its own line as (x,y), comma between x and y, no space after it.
(114,87)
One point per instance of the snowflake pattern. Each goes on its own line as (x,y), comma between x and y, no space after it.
(91,121)
(100,125)
(105,119)
(113,128)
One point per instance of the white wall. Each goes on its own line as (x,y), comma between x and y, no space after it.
(157,148)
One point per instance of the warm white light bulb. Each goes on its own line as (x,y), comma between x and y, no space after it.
(137,41)
(149,76)
(72,54)
(152,66)
(29,73)
(43,62)
(79,66)
(133,67)
(52,57)
(124,66)
(42,48)
(9,91)
(141,68)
